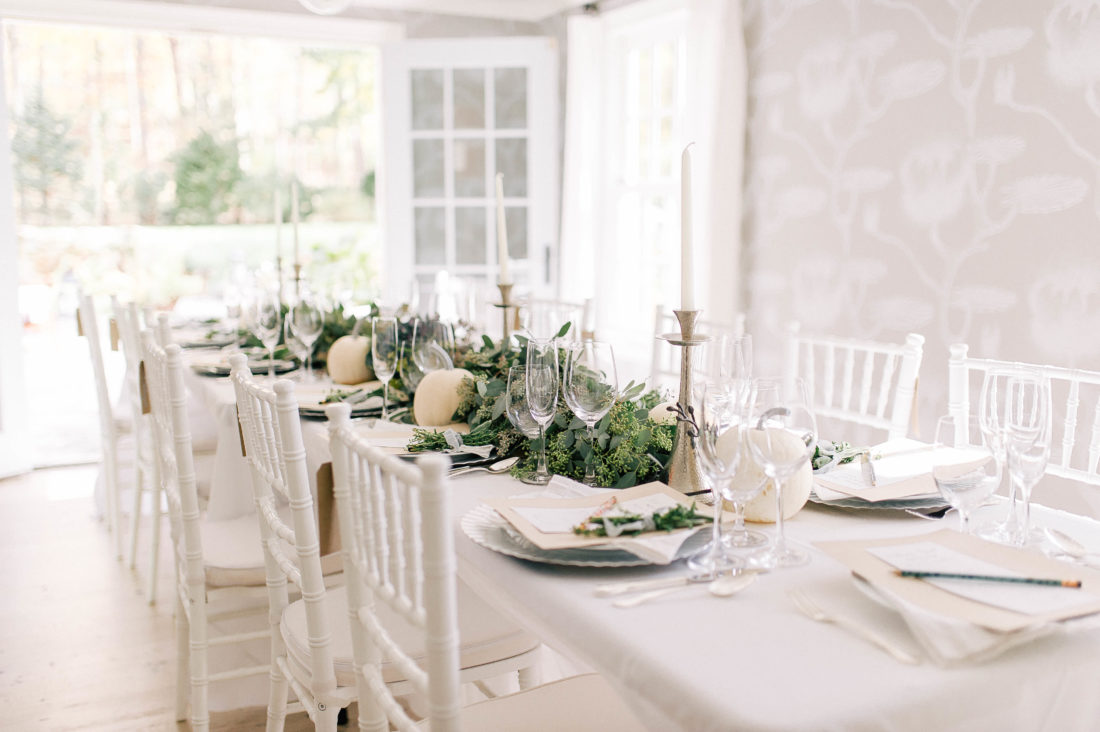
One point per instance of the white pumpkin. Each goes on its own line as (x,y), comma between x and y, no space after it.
(436,397)
(661,415)
(796,490)
(347,360)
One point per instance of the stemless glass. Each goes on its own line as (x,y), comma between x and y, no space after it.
(266,320)
(591,386)
(1027,441)
(542,394)
(719,419)
(384,350)
(517,409)
(966,469)
(433,344)
(781,435)
(307,320)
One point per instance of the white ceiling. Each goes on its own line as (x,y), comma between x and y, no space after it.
(527,10)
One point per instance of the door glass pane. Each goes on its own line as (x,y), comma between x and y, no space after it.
(470,234)
(515,221)
(427,168)
(427,99)
(469,99)
(469,164)
(428,226)
(512,161)
(510,98)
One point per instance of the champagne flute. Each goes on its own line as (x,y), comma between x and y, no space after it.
(517,409)
(307,320)
(591,386)
(411,375)
(384,350)
(782,435)
(267,324)
(966,469)
(718,421)
(1027,440)
(542,394)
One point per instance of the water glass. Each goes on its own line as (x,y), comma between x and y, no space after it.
(307,321)
(591,387)
(384,351)
(542,394)
(965,465)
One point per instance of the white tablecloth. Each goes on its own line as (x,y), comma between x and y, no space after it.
(751,662)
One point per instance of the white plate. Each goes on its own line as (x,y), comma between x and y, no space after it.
(487,528)
(917,503)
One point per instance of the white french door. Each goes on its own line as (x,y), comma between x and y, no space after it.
(457,112)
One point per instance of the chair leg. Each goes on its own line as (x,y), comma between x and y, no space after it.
(135,516)
(530,677)
(155,539)
(326,720)
(200,678)
(183,662)
(114,515)
(276,702)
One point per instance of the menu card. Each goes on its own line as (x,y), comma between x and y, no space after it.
(999,606)
(902,468)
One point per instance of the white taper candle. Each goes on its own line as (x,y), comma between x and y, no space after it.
(502,234)
(294,218)
(687,248)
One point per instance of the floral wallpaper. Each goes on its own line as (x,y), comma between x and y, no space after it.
(929,166)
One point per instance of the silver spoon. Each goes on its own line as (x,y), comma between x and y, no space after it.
(725,586)
(500,466)
(1068,545)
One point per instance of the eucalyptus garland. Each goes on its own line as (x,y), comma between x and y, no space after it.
(628,447)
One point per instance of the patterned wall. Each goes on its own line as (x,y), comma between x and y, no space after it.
(928,166)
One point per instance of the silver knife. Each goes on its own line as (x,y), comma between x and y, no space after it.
(868,468)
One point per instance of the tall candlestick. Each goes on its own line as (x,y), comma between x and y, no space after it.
(502,234)
(687,250)
(294,218)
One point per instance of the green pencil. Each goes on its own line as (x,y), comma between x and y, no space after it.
(990,578)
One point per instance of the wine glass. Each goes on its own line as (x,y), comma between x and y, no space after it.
(384,351)
(542,394)
(266,320)
(517,409)
(411,375)
(966,469)
(591,386)
(718,421)
(433,344)
(1027,440)
(781,435)
(307,320)
(294,344)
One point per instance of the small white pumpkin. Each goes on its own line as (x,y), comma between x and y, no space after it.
(436,397)
(661,415)
(347,360)
(796,490)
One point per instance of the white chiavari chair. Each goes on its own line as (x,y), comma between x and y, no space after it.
(664,365)
(858,382)
(543,317)
(145,478)
(108,429)
(1070,456)
(398,541)
(303,656)
(219,564)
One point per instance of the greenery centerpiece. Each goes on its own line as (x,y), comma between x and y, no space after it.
(629,447)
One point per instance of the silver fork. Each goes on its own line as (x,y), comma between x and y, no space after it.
(809,607)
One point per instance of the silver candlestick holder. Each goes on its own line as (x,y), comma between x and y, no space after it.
(684,472)
(506,307)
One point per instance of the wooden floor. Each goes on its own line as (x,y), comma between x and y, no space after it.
(80,649)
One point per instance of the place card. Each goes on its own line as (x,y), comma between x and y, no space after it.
(903,470)
(993,605)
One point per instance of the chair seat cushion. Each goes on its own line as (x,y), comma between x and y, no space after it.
(232,554)
(484,634)
(585,703)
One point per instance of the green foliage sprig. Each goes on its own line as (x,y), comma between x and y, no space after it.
(677,517)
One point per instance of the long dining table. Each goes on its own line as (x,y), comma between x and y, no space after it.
(692,661)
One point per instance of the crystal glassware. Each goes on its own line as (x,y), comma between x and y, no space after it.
(781,435)
(517,409)
(965,465)
(307,320)
(432,345)
(1027,441)
(266,321)
(384,350)
(591,387)
(542,394)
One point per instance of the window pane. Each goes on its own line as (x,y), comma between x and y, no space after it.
(511,98)
(469,99)
(515,221)
(470,234)
(427,168)
(512,161)
(427,99)
(645,80)
(665,63)
(469,164)
(431,242)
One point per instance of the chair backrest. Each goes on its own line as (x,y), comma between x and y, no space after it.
(89,325)
(1069,457)
(271,433)
(171,438)
(544,316)
(861,382)
(396,533)
(127,321)
(664,365)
